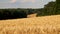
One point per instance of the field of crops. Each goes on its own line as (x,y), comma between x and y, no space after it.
(36,25)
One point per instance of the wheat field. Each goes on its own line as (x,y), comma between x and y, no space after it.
(31,15)
(36,25)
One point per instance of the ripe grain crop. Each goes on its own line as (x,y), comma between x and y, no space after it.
(36,25)
(31,15)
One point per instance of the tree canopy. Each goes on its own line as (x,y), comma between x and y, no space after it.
(51,8)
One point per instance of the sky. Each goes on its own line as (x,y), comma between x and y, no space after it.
(23,3)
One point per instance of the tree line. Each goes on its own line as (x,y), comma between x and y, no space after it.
(15,13)
(51,8)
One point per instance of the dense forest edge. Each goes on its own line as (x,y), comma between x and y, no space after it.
(52,8)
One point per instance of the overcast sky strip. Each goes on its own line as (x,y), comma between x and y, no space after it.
(23,3)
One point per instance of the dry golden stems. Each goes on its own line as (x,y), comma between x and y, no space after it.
(49,29)
(37,25)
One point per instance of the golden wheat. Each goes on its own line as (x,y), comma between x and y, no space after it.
(31,15)
(37,25)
